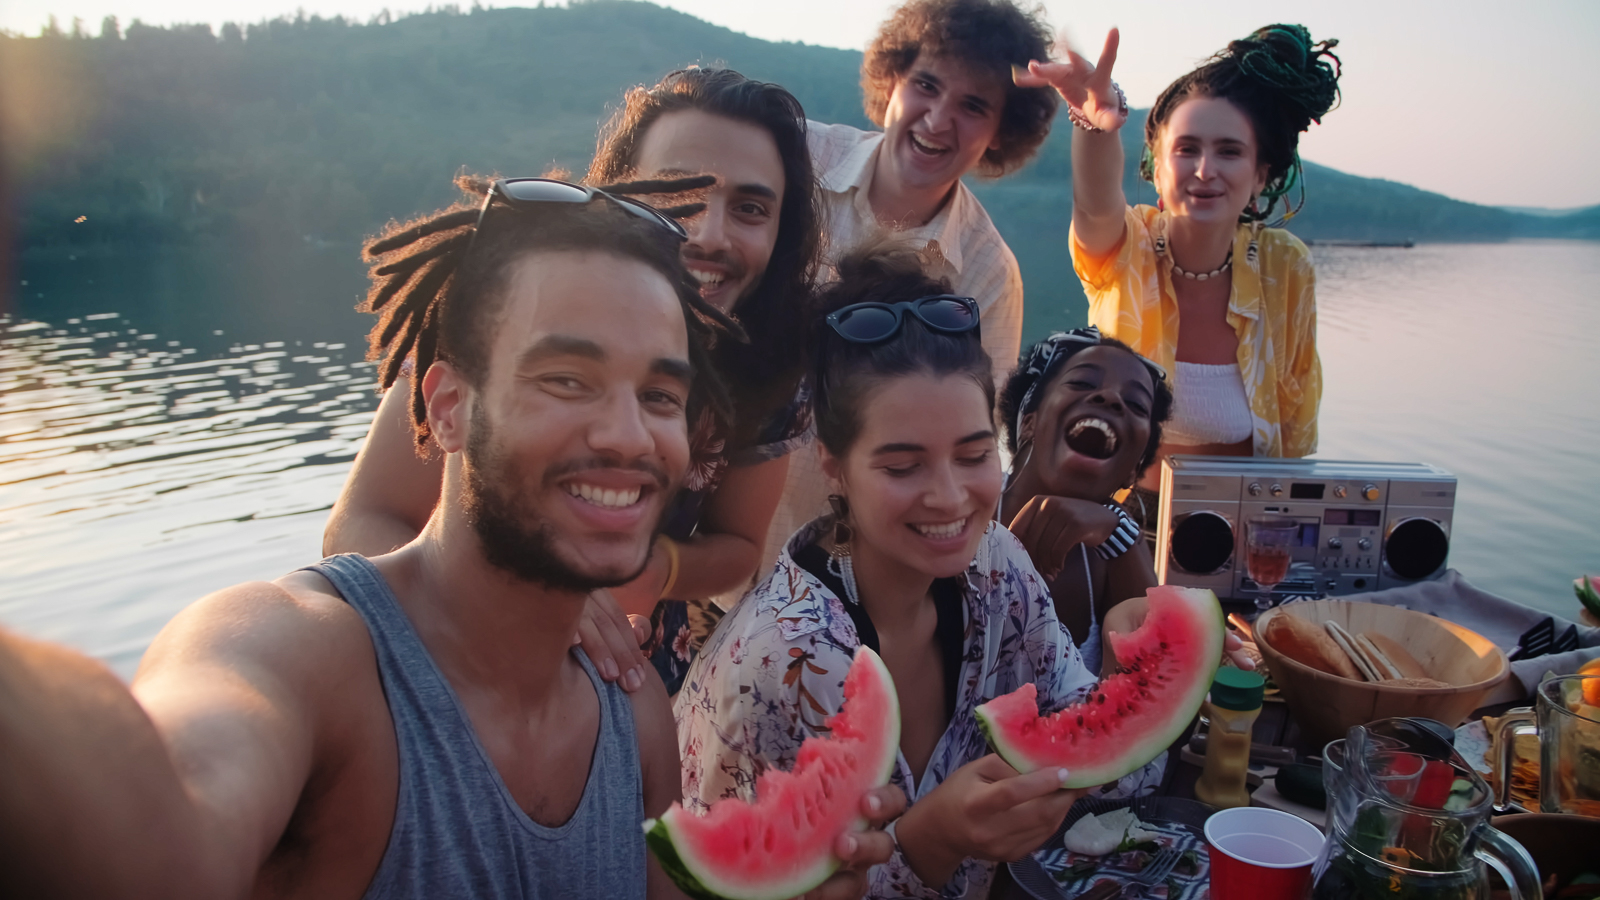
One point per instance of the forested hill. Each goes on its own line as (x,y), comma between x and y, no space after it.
(316,130)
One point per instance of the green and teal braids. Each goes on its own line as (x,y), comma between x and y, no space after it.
(1282,82)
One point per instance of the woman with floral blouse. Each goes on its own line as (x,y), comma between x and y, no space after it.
(911,565)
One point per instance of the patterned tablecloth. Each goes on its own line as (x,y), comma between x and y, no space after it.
(1055,873)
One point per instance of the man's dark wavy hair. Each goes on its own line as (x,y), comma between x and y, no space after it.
(764,373)
(990,36)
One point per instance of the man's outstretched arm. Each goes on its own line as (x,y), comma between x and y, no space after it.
(178,788)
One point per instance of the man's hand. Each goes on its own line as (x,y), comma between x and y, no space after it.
(611,640)
(1085,87)
(1050,526)
(861,850)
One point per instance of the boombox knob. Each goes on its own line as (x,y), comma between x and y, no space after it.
(1339,491)
(1277,490)
(1335,543)
(1364,543)
(1255,488)
(1370,492)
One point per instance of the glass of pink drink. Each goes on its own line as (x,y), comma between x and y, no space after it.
(1268,541)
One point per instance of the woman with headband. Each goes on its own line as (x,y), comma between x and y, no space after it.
(1083,417)
(1199,282)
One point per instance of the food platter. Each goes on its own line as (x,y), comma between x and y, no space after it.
(1053,872)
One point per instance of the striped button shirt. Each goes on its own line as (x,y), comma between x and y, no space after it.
(960,243)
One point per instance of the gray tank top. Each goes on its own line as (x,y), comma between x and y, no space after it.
(458,832)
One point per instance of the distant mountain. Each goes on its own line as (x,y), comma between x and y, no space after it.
(320,130)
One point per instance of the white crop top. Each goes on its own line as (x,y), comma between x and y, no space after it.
(1209,406)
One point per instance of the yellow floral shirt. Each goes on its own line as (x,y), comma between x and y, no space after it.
(1273,310)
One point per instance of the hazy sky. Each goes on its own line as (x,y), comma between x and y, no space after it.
(1486,101)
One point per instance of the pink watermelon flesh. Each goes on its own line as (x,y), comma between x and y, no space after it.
(782,845)
(1131,716)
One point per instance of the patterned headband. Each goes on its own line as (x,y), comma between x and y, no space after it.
(1060,345)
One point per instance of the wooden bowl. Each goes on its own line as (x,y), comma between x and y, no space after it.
(1325,706)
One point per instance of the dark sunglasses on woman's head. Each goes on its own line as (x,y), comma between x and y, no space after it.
(870,323)
(522,191)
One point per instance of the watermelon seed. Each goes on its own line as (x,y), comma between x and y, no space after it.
(1100,698)
(1080,720)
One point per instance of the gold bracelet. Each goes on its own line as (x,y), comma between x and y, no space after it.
(672,564)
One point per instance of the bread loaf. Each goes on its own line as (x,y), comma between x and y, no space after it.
(1306,642)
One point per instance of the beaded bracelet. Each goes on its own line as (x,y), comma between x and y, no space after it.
(1123,538)
(1079,119)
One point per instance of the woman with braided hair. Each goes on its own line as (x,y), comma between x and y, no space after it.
(1200,283)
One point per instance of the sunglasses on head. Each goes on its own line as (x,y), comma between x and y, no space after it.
(871,323)
(527,191)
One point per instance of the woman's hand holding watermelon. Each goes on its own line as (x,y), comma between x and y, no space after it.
(861,850)
(983,810)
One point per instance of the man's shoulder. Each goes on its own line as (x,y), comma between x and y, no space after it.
(834,152)
(296,630)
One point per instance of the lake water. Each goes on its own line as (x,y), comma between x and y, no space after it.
(176,423)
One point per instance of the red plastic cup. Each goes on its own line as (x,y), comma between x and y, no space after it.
(1261,854)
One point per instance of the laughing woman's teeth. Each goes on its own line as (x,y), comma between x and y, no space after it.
(947,530)
(1099,425)
(706,277)
(604,496)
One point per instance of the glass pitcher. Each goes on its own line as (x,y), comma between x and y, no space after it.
(1569,746)
(1408,818)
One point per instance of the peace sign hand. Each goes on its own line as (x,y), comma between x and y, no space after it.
(1086,88)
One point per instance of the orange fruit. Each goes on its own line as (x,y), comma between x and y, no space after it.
(1591,687)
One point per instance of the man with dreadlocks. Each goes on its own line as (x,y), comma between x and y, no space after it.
(417,725)
(753,252)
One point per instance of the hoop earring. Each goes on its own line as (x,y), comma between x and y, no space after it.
(842,532)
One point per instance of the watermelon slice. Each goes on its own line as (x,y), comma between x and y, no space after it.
(1132,716)
(1587,587)
(782,845)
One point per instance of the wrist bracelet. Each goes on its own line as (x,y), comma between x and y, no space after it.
(1081,120)
(1123,538)
(672,565)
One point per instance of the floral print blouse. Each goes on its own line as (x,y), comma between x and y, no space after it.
(678,626)
(774,669)
(1273,310)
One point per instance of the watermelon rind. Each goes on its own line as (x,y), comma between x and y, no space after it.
(1205,613)
(698,880)
(659,839)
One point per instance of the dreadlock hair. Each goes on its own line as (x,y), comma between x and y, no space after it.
(990,36)
(438,282)
(1282,82)
(845,373)
(765,371)
(1020,380)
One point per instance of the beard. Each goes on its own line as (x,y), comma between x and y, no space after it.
(513,537)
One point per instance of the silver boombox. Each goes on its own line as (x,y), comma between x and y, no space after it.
(1364,526)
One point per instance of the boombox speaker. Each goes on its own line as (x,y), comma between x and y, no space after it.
(1364,526)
